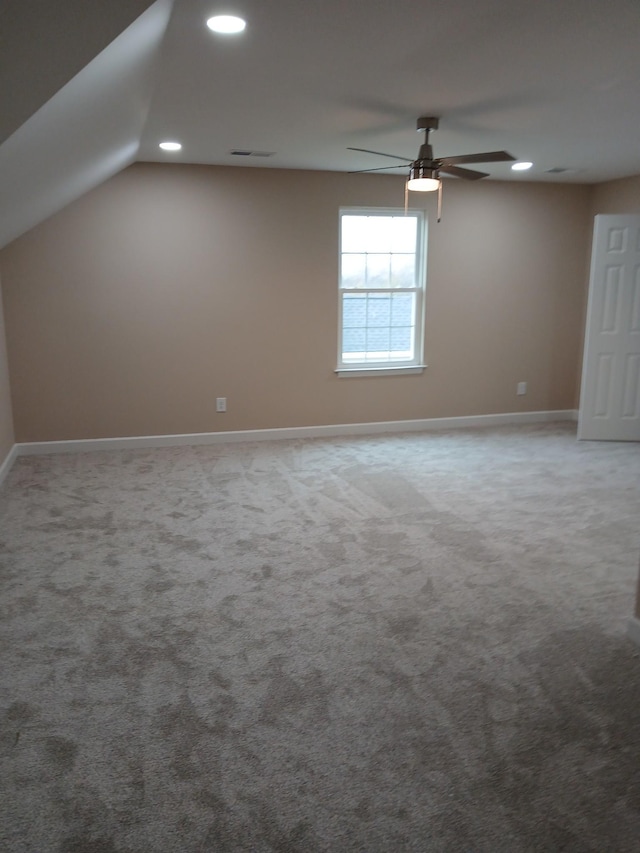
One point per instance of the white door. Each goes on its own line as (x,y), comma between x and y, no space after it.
(610,394)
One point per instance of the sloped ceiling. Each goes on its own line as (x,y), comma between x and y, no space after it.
(86,88)
(86,132)
(44,43)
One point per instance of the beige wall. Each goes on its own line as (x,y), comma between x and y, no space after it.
(6,416)
(621,196)
(131,310)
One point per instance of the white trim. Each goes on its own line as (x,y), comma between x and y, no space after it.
(37,448)
(345,368)
(343,372)
(10,458)
(633,630)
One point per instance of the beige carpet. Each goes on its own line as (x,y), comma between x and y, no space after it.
(396,643)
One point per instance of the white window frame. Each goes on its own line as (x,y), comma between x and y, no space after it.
(395,367)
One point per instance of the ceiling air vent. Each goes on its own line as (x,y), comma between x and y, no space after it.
(245,152)
(558,170)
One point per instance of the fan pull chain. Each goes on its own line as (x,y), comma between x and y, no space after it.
(406,197)
(439,201)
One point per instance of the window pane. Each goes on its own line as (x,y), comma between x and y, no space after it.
(354,233)
(378,270)
(403,232)
(377,327)
(401,339)
(403,270)
(354,341)
(353,273)
(402,309)
(354,310)
(379,231)
(378,310)
(378,342)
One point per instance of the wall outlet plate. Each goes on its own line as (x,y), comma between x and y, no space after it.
(521,388)
(221,404)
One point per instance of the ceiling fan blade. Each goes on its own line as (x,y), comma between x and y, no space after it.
(381,154)
(486,157)
(379,169)
(467,174)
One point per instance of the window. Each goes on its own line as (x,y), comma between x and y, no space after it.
(382,275)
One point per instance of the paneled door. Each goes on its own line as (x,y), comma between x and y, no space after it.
(610,394)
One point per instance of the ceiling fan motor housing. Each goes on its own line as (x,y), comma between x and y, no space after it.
(423,169)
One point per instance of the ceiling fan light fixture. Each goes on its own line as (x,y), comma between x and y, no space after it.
(422,179)
(522,166)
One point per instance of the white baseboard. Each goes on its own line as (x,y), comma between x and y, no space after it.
(10,458)
(633,630)
(330,430)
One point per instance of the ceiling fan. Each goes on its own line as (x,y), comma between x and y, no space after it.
(424,171)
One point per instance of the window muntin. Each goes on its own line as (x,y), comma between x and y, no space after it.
(381,289)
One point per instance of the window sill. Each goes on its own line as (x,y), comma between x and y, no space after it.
(345,372)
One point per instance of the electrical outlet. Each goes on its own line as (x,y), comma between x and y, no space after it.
(221,404)
(521,388)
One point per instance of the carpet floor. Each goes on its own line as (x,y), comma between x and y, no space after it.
(376,644)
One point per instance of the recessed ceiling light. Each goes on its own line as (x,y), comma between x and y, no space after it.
(170,146)
(522,167)
(226,24)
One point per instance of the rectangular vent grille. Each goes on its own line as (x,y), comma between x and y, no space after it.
(245,152)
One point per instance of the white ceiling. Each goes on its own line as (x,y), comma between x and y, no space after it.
(552,81)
